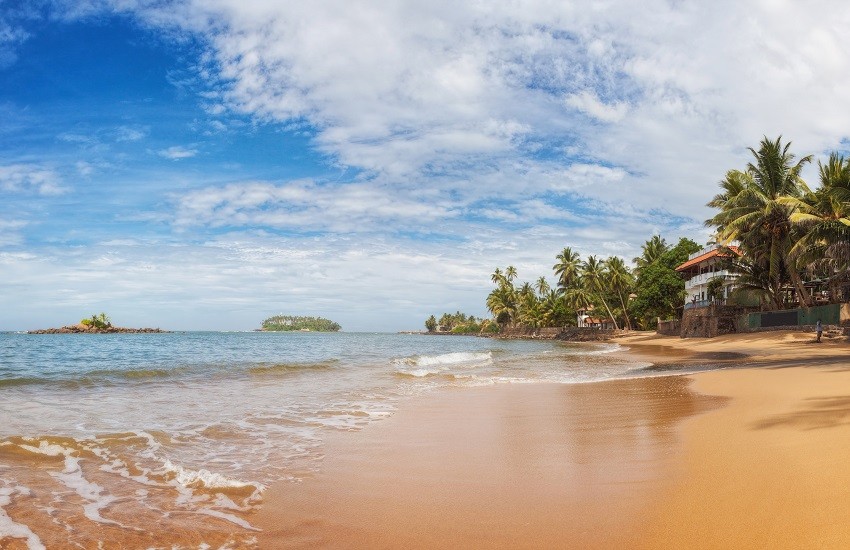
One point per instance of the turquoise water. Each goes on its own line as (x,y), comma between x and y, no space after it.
(198,424)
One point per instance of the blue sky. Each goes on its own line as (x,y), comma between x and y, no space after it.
(205,164)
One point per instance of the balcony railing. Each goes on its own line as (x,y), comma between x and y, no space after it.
(704,303)
(703,278)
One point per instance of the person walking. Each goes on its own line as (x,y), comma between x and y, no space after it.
(818,329)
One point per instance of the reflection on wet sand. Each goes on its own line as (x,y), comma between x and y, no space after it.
(512,466)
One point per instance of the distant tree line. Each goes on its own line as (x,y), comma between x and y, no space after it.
(630,297)
(459,323)
(285,323)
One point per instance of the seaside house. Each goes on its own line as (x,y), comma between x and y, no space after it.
(701,267)
(587,320)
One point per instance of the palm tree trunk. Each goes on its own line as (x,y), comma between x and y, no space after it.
(611,315)
(805,297)
(625,313)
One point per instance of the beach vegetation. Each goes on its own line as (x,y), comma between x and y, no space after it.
(289,323)
(794,239)
(431,323)
(99,321)
(659,289)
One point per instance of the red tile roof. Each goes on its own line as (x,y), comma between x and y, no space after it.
(707,256)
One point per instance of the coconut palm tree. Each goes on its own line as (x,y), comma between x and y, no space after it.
(497,277)
(510,273)
(651,250)
(567,268)
(502,304)
(594,275)
(823,220)
(759,214)
(542,286)
(620,281)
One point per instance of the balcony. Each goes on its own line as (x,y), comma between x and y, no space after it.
(703,278)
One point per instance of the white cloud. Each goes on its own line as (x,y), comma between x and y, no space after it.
(23,178)
(130,133)
(177,152)
(587,102)
(305,206)
(586,124)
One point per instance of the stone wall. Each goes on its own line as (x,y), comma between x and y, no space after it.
(711,321)
(673,327)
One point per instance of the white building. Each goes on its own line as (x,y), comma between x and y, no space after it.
(702,266)
(587,320)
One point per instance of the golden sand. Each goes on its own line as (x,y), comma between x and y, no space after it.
(745,458)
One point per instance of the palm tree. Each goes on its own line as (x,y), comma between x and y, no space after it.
(578,297)
(620,281)
(497,277)
(593,274)
(823,219)
(542,286)
(567,268)
(651,251)
(502,304)
(510,273)
(759,214)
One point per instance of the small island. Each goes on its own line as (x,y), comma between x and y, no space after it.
(96,324)
(294,323)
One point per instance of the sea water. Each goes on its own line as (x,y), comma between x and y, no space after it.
(169,440)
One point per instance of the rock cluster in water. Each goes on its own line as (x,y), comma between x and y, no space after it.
(87,329)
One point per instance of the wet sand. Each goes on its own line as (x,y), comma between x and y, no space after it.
(740,458)
(523,466)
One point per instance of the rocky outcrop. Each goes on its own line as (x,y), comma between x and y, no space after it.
(86,329)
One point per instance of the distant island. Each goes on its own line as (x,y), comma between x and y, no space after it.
(290,323)
(96,324)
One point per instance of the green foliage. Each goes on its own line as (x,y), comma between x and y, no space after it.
(769,210)
(660,290)
(431,324)
(288,323)
(456,323)
(97,321)
(714,288)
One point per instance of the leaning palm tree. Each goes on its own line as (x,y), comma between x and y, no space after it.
(594,275)
(567,268)
(620,281)
(759,214)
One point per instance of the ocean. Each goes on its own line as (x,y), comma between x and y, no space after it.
(169,440)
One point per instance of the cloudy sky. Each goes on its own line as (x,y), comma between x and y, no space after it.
(202,164)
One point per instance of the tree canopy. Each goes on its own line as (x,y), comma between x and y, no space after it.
(286,323)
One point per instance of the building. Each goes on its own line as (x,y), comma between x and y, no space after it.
(587,320)
(701,267)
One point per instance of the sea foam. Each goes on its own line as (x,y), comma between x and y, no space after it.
(12,529)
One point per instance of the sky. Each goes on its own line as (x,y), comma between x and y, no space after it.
(205,164)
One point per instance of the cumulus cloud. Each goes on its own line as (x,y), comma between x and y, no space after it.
(511,129)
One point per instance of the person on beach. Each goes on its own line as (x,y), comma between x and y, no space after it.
(818,329)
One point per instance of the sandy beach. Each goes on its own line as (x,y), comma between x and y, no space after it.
(752,456)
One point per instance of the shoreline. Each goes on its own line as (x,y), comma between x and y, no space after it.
(652,462)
